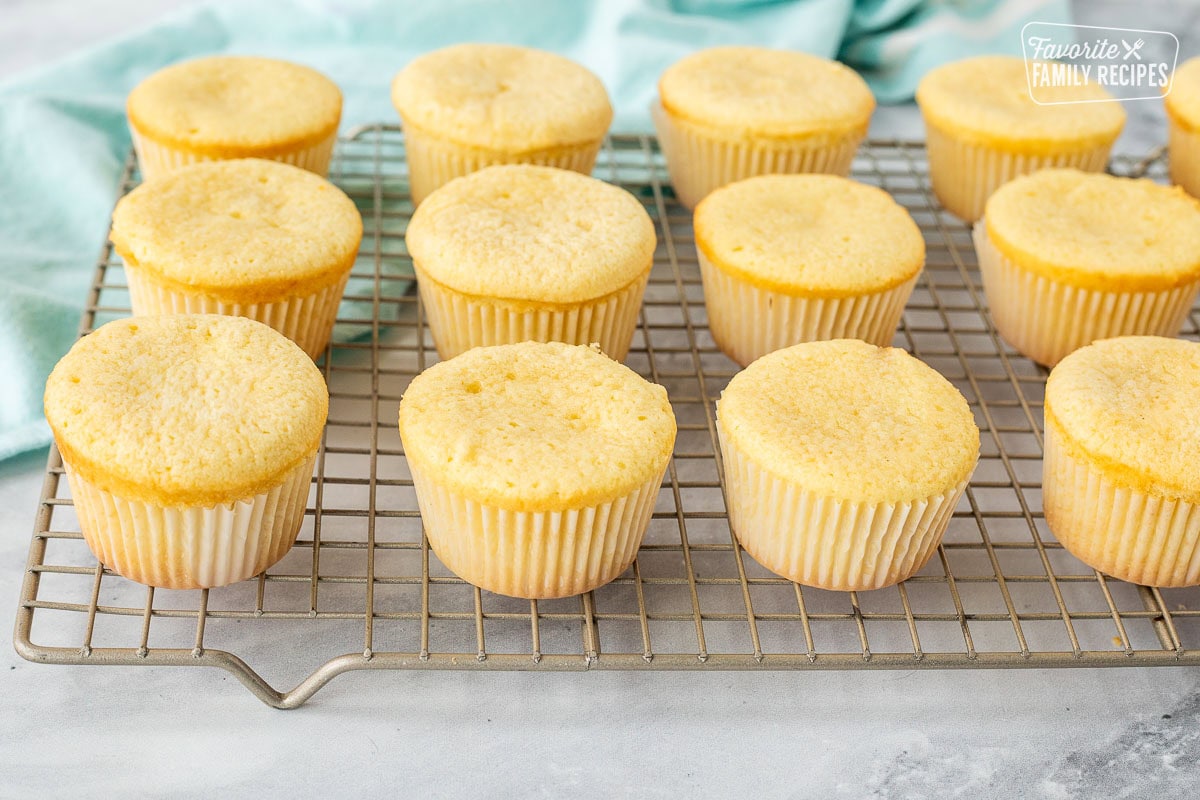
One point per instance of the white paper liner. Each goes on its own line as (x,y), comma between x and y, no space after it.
(156,158)
(965,174)
(699,164)
(459,322)
(821,541)
(434,162)
(306,319)
(1183,155)
(539,555)
(748,321)
(1121,531)
(1046,320)
(191,547)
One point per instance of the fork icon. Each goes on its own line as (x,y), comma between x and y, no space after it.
(1132,50)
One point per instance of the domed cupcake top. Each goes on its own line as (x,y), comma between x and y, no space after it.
(523,232)
(229,106)
(537,426)
(852,421)
(1132,406)
(186,409)
(818,235)
(245,230)
(502,97)
(1097,231)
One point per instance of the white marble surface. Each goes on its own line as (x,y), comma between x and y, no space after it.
(87,732)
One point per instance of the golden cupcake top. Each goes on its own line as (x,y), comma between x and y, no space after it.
(756,91)
(232,106)
(987,99)
(852,421)
(818,235)
(1130,407)
(186,410)
(246,230)
(537,427)
(1097,231)
(1183,103)
(502,97)
(531,233)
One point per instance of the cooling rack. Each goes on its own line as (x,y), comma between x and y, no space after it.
(362,590)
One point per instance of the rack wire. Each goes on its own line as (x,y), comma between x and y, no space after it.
(362,590)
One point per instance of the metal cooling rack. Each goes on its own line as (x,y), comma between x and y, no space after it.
(361,589)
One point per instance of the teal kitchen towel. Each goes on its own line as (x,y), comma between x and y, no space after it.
(63,139)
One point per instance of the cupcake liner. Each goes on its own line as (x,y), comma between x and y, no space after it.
(306,319)
(156,158)
(964,174)
(191,547)
(748,321)
(699,164)
(539,555)
(459,322)
(1183,155)
(1122,531)
(434,162)
(1046,320)
(826,542)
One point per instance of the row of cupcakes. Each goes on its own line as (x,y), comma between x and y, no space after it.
(722,114)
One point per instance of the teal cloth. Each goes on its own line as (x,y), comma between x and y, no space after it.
(63,138)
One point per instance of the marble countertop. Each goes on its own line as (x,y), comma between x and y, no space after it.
(85,732)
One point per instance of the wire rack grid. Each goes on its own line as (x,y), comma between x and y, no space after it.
(362,590)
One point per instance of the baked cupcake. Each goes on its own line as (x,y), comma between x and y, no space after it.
(518,253)
(982,128)
(730,113)
(188,442)
(470,106)
(1069,257)
(220,107)
(797,258)
(1183,127)
(843,462)
(1121,475)
(251,238)
(536,465)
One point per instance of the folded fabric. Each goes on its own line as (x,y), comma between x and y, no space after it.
(63,139)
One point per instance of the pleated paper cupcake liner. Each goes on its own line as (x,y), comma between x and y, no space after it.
(825,542)
(748,322)
(306,319)
(157,158)
(459,322)
(1119,530)
(1183,154)
(434,162)
(538,555)
(191,547)
(965,174)
(699,164)
(1046,320)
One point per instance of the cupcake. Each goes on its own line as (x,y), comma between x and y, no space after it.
(1121,475)
(797,258)
(470,106)
(1069,257)
(221,107)
(250,238)
(843,462)
(1183,126)
(536,465)
(188,442)
(517,253)
(730,113)
(983,128)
